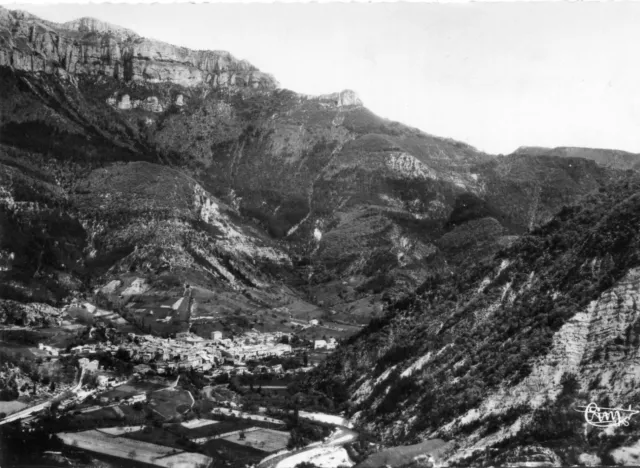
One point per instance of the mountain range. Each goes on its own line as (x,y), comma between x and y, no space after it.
(129,164)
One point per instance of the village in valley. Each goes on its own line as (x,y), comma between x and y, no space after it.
(162,383)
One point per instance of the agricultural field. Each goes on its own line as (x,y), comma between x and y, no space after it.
(218,304)
(305,311)
(159,436)
(170,403)
(267,440)
(238,455)
(266,311)
(18,350)
(126,448)
(396,456)
(226,311)
(210,430)
(9,407)
(106,416)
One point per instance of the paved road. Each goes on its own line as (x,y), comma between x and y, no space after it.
(25,412)
(44,405)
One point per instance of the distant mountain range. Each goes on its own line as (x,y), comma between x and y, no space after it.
(607,158)
(123,157)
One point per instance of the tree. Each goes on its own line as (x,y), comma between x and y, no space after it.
(122,354)
(305,358)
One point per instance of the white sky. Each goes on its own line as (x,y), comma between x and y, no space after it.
(495,75)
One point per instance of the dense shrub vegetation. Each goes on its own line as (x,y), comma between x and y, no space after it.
(543,282)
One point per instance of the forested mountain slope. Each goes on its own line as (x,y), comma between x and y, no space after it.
(495,358)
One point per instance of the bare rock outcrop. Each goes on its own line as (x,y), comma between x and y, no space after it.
(344,98)
(150,104)
(90,47)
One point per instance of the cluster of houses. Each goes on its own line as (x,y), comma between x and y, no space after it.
(86,349)
(188,351)
(165,354)
(252,347)
(185,352)
(78,397)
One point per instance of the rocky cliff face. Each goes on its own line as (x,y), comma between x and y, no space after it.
(91,47)
(142,227)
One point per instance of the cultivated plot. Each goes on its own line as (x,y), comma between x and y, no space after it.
(267,440)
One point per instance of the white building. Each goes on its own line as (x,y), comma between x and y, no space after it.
(51,351)
(91,366)
(319,344)
(102,380)
(137,398)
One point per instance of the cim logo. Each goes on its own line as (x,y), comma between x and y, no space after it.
(606,417)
